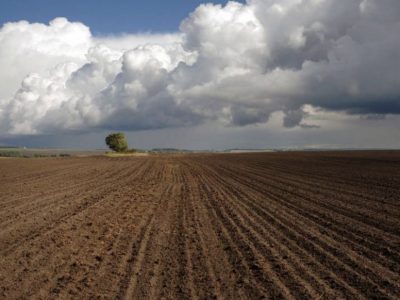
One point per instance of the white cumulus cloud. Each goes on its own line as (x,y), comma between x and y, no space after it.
(235,64)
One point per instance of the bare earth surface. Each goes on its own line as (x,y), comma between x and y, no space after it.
(224,226)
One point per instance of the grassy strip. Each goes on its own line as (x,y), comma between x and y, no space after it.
(117,154)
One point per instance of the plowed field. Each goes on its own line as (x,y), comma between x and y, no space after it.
(209,226)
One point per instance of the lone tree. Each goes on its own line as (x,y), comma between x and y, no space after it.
(117,142)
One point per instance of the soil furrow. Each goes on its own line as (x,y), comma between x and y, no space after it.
(290,225)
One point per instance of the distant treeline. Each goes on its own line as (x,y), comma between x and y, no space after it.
(169,150)
(14,153)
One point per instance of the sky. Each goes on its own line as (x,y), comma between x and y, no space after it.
(201,75)
(104,17)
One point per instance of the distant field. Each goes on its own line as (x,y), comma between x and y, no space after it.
(294,225)
(31,152)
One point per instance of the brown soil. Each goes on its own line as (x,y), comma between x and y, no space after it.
(210,226)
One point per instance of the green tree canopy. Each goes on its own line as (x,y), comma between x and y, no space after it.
(117,142)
